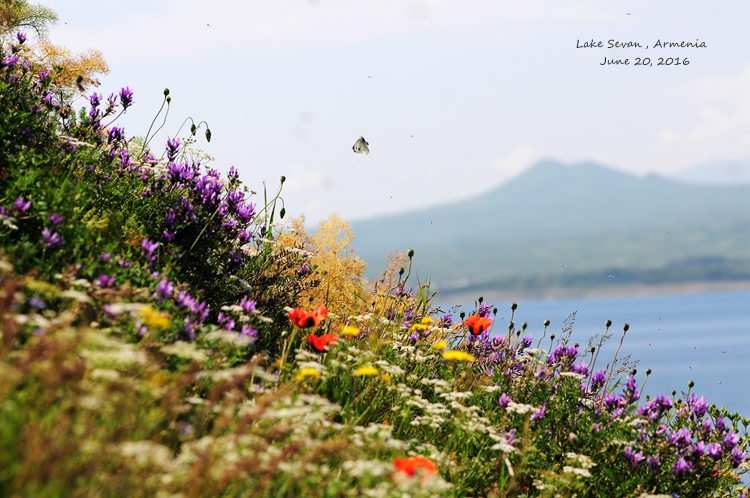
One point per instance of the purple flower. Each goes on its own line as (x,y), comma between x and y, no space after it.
(504,400)
(21,37)
(662,429)
(148,249)
(448,320)
(165,288)
(680,438)
(653,462)
(697,450)
(714,450)
(115,134)
(484,310)
(21,205)
(55,218)
(106,257)
(173,146)
(95,99)
(105,281)
(598,380)
(51,239)
(250,332)
(737,457)
(595,427)
(526,342)
(35,302)
(720,424)
(43,74)
(681,467)
(540,414)
(613,400)
(233,173)
(414,337)
(170,217)
(700,407)
(580,368)
(126,97)
(248,305)
(10,62)
(731,440)
(633,458)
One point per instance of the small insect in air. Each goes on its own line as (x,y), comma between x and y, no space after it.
(360,146)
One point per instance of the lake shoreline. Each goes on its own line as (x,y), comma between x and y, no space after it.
(614,290)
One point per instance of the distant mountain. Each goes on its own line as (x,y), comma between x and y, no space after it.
(716,173)
(571,226)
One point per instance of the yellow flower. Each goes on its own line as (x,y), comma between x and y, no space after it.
(153,318)
(386,377)
(307,372)
(458,355)
(349,330)
(367,370)
(440,345)
(423,324)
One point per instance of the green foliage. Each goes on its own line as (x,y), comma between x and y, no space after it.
(19,14)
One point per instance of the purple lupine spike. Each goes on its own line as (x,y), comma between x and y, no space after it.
(126,97)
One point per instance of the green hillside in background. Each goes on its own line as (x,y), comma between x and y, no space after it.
(572,227)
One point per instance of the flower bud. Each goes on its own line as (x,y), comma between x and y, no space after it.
(552,337)
(511,325)
(410,253)
(513,306)
(524,325)
(400,271)
(166,92)
(626,327)
(691,384)
(648,371)
(547,322)
(282,179)
(608,323)
(282,213)
(480,299)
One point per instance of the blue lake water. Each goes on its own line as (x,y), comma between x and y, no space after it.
(703,337)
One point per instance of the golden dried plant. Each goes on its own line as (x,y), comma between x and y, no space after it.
(340,271)
(77,69)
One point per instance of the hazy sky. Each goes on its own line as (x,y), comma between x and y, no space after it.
(454,97)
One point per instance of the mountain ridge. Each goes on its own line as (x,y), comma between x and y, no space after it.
(561,212)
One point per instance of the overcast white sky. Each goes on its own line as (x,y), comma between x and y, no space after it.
(454,97)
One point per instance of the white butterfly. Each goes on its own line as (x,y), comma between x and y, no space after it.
(360,146)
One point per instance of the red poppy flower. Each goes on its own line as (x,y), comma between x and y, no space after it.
(477,324)
(304,319)
(320,342)
(411,465)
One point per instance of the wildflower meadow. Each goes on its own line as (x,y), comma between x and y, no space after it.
(166,332)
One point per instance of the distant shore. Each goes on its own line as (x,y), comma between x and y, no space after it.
(598,291)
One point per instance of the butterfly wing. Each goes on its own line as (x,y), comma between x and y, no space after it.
(360,146)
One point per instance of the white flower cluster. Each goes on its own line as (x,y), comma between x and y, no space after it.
(521,408)
(583,464)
